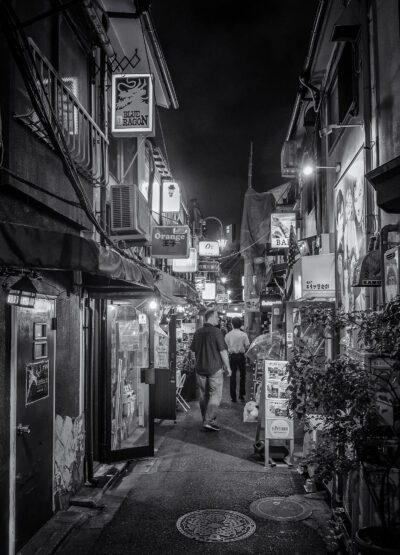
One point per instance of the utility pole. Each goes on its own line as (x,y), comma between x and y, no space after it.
(250,173)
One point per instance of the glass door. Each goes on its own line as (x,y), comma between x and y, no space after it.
(129,426)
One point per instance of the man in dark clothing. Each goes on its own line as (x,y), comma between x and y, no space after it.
(238,343)
(211,360)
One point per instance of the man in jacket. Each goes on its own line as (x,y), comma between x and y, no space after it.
(238,343)
(212,360)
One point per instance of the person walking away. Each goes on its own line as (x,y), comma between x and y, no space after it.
(238,343)
(212,361)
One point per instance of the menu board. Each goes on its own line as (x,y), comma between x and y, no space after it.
(184,336)
(278,423)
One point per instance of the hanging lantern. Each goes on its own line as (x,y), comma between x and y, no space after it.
(22,293)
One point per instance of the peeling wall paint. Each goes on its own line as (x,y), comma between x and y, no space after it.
(69,451)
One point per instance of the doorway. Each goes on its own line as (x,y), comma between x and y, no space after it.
(31,419)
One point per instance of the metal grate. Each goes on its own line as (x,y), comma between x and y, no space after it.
(121,208)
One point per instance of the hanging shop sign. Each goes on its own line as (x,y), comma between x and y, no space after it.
(171,197)
(208,248)
(199,283)
(170,241)
(281,223)
(211,266)
(252,304)
(278,424)
(186,265)
(209,291)
(222,298)
(314,277)
(132,104)
(267,299)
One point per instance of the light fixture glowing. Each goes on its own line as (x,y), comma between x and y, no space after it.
(224,279)
(153,304)
(308,170)
(22,293)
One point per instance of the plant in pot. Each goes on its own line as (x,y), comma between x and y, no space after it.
(357,400)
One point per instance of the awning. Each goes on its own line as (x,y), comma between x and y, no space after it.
(385,180)
(176,290)
(24,246)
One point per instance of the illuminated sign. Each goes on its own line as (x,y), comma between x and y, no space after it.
(186,265)
(281,223)
(170,241)
(208,248)
(171,197)
(132,104)
(209,266)
(209,291)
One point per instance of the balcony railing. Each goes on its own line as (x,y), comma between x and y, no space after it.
(86,142)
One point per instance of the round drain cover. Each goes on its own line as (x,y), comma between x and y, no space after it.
(216,525)
(280,508)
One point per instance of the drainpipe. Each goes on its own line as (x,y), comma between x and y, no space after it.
(97,24)
(307,64)
(88,328)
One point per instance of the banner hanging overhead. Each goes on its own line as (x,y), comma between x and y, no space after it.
(170,241)
(186,265)
(281,222)
(171,197)
(132,104)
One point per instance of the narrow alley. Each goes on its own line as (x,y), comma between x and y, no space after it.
(196,470)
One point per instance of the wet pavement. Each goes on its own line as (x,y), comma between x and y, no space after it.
(195,470)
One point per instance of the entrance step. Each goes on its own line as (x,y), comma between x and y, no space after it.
(91,495)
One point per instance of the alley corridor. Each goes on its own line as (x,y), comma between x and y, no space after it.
(195,470)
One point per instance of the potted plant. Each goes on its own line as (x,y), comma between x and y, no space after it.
(357,399)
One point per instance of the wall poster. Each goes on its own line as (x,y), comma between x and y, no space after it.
(350,234)
(37,381)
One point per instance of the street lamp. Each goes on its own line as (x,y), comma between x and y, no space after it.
(224,279)
(309,168)
(222,241)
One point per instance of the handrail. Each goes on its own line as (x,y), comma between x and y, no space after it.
(86,142)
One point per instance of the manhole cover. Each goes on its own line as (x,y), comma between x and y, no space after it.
(280,508)
(216,525)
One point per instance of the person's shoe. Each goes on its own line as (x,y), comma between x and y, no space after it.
(233,400)
(211,427)
(242,399)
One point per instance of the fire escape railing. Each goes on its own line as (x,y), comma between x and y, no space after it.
(86,142)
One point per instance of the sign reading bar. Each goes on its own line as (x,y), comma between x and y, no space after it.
(170,241)
(186,265)
(280,229)
(208,248)
(132,104)
(209,266)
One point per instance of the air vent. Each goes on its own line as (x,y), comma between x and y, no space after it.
(121,208)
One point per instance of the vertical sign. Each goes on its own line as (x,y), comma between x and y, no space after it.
(278,424)
(131,104)
(280,229)
(171,197)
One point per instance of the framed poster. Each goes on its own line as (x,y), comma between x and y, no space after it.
(132,104)
(37,381)
(281,222)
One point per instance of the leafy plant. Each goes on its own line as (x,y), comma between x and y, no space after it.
(356,400)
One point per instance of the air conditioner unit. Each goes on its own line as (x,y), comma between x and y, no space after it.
(289,159)
(130,214)
(392,273)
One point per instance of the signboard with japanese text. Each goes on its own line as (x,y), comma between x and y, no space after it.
(280,229)
(208,266)
(278,424)
(171,197)
(170,241)
(132,104)
(200,283)
(222,298)
(314,276)
(208,248)
(252,304)
(186,265)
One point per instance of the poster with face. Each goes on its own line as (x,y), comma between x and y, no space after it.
(350,234)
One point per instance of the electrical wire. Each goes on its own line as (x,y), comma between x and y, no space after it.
(23,57)
(245,248)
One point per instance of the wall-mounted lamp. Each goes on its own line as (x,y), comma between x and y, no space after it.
(153,305)
(22,293)
(329,128)
(224,279)
(309,169)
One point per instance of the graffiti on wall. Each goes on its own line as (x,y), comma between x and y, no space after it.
(68,453)
(350,234)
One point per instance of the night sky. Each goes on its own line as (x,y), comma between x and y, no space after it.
(235,68)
